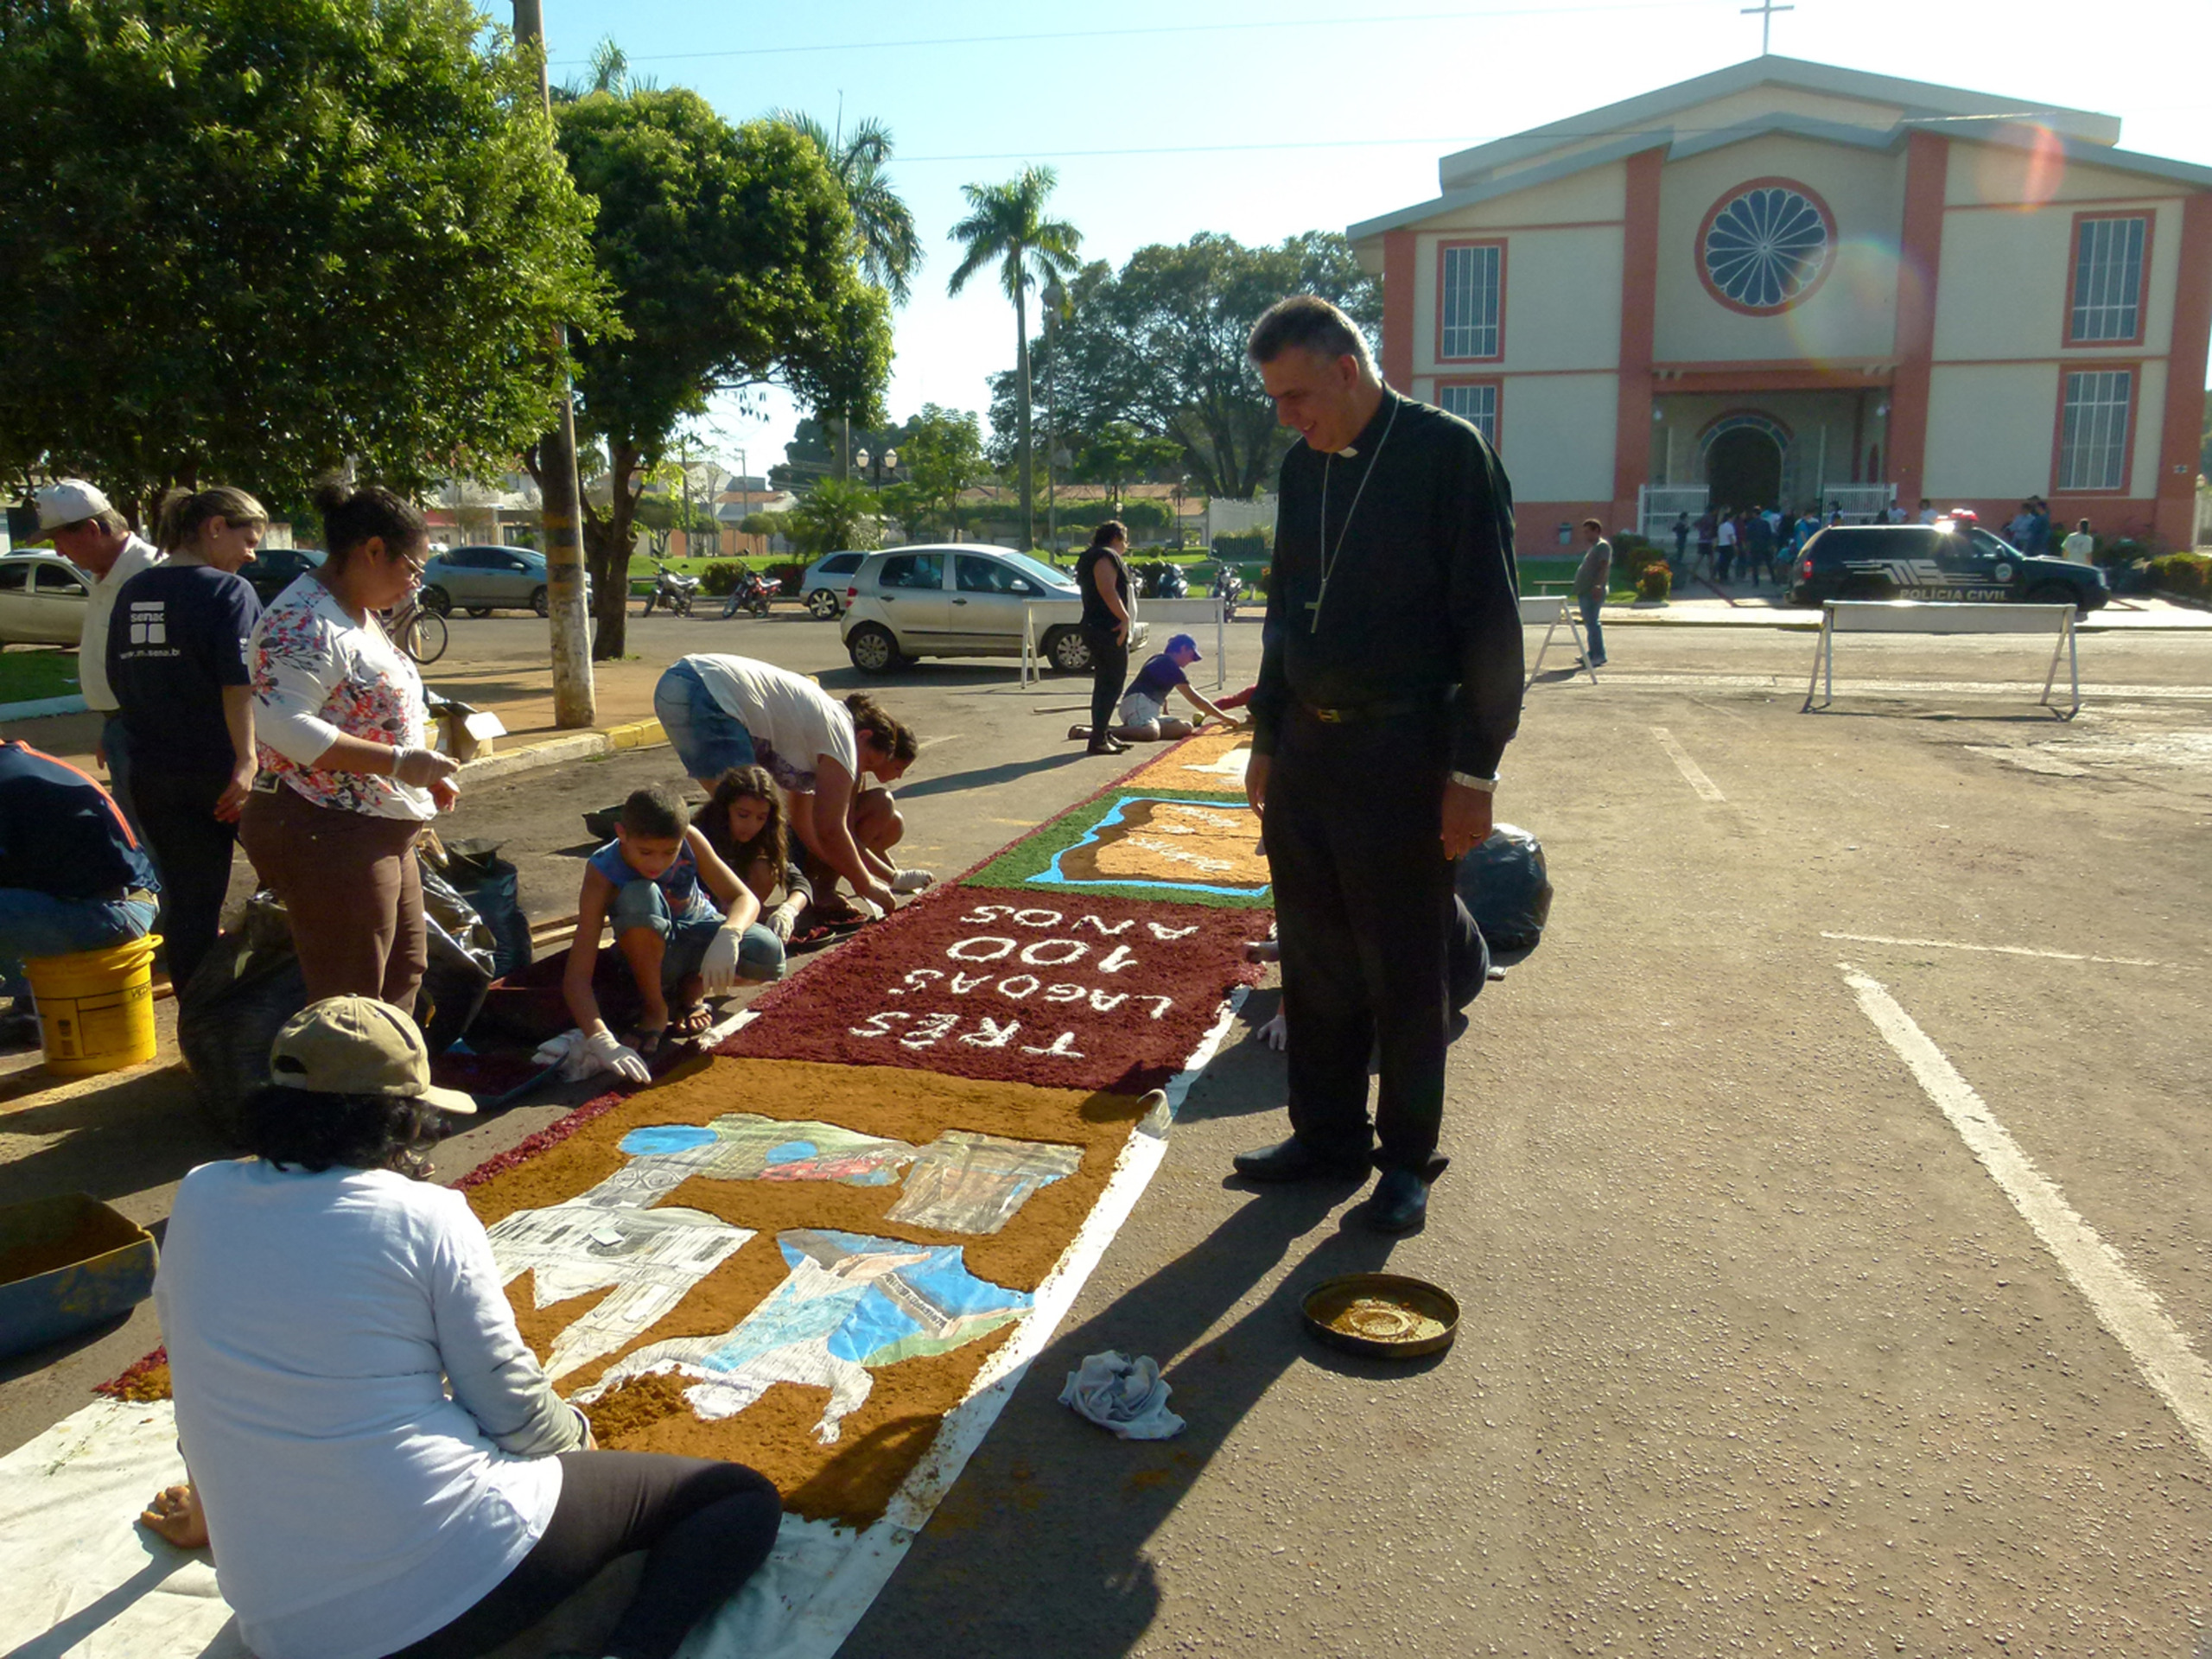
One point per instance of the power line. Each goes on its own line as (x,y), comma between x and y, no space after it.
(1055,37)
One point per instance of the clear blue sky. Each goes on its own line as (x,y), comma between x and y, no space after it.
(1164,119)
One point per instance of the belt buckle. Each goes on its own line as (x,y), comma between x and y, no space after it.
(1329,716)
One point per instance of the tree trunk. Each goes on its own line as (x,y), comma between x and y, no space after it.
(1022,374)
(606,552)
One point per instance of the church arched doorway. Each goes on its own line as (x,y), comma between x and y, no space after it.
(1742,469)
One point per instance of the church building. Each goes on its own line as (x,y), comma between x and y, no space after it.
(1784,283)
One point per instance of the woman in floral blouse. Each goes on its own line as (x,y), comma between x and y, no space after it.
(347,777)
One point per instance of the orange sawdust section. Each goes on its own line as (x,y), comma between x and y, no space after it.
(852,1480)
(140,1386)
(1173,841)
(1184,766)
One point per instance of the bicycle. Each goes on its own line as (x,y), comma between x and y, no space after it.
(418,630)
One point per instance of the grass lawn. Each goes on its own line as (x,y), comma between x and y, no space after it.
(28,673)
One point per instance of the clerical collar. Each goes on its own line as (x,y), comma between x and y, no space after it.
(1382,413)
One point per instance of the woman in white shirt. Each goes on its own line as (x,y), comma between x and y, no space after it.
(318,1300)
(347,779)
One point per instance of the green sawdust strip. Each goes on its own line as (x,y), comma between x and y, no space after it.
(1034,853)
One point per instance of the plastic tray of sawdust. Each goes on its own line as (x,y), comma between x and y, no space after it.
(1384,1315)
(66,1264)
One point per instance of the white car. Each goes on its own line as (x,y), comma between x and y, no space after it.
(42,600)
(963,600)
(823,585)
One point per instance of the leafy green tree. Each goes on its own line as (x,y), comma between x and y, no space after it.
(1007,223)
(1119,452)
(1160,344)
(890,251)
(730,254)
(942,454)
(836,514)
(248,239)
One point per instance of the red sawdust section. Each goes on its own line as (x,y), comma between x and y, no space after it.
(851,1481)
(1080,992)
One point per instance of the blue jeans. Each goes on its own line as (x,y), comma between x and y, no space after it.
(33,924)
(642,904)
(1594,632)
(706,737)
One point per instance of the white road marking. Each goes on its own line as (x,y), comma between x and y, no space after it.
(1793,684)
(2123,1304)
(931,742)
(2008,950)
(1694,773)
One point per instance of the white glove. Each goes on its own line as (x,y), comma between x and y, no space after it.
(911,880)
(420,768)
(783,920)
(609,1054)
(718,968)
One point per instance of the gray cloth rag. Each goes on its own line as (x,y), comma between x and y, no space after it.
(1124,1395)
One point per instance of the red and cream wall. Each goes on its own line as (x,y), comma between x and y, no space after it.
(1556,369)
(2000,351)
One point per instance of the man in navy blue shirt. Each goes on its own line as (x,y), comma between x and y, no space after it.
(72,877)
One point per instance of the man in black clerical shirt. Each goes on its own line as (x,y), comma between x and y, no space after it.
(1389,686)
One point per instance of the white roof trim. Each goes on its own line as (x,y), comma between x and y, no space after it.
(1917,98)
(2021,135)
(1565,167)
(1801,126)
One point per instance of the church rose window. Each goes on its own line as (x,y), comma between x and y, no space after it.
(1765,247)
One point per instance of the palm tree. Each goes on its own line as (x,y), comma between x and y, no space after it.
(1007,222)
(889,248)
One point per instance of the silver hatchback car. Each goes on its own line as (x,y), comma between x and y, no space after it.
(964,600)
(480,580)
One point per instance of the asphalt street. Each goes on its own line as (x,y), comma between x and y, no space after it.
(1778,1335)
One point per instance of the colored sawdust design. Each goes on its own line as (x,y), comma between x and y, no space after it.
(1173,844)
(1036,864)
(881,1437)
(1077,990)
(1213,762)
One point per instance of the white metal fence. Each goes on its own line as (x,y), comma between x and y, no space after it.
(1658,505)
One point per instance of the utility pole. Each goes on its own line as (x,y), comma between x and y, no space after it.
(575,703)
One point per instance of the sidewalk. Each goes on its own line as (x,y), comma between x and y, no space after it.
(1699,602)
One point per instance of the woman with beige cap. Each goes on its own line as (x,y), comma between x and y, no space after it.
(377,1461)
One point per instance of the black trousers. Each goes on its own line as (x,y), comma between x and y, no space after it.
(191,848)
(1109,671)
(1363,902)
(707,1527)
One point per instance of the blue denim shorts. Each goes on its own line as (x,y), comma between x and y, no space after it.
(706,737)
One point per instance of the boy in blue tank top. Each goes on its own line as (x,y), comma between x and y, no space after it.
(684,923)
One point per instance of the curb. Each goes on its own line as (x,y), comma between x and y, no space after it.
(41,709)
(561,750)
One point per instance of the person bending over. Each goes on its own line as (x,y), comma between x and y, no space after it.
(376,1457)
(1143,713)
(721,712)
(743,822)
(652,882)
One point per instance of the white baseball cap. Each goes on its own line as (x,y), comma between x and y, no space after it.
(67,501)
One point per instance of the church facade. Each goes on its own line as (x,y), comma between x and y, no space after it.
(1784,284)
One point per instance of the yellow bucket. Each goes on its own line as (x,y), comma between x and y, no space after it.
(96,1007)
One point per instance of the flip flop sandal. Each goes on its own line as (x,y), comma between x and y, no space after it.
(649,1044)
(693,1020)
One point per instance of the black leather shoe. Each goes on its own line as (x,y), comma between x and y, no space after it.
(1294,1160)
(1400,1204)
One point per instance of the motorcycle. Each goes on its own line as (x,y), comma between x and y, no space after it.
(1229,587)
(1171,583)
(752,595)
(672,591)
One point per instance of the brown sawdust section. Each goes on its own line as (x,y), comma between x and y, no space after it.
(1177,768)
(1174,841)
(852,1481)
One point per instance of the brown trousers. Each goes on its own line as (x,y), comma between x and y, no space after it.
(349,884)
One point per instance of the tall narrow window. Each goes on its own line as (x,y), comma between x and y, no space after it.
(1475,404)
(1468,301)
(2092,436)
(2107,280)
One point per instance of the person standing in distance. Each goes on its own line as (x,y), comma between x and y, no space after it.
(1593,581)
(1102,574)
(1392,672)
(92,536)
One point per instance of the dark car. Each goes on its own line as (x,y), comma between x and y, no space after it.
(482,578)
(272,569)
(1950,559)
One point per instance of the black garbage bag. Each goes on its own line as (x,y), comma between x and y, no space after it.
(1508,889)
(462,951)
(232,1008)
(493,889)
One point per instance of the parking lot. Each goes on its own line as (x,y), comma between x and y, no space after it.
(1762,1350)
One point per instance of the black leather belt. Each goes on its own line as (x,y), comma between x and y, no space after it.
(1361,714)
